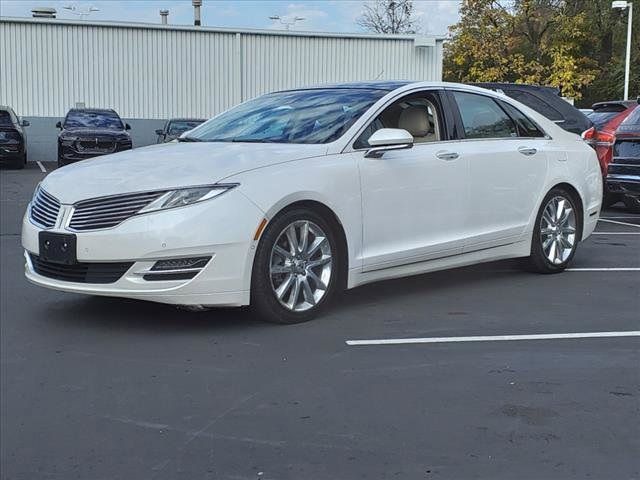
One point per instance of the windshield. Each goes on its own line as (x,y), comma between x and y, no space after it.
(303,116)
(80,119)
(5,119)
(181,126)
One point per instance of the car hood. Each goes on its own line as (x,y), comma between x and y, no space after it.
(167,166)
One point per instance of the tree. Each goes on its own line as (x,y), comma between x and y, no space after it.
(388,16)
(546,42)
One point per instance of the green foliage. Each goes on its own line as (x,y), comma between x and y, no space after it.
(574,45)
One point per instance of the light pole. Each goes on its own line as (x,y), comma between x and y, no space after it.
(624,4)
(285,22)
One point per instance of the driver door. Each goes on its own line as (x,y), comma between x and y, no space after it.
(413,200)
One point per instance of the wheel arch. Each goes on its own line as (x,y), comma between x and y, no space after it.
(330,216)
(573,191)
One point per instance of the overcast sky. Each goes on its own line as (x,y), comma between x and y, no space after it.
(434,16)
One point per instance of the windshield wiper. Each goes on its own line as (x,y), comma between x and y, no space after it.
(188,139)
(253,140)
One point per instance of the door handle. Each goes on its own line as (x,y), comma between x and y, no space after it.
(443,155)
(527,150)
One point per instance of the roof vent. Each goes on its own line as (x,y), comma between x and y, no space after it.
(43,12)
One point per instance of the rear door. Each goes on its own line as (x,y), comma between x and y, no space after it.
(507,165)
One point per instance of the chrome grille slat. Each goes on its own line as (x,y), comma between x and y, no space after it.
(98,210)
(110,211)
(44,209)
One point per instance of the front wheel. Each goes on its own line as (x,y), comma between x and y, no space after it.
(556,233)
(296,267)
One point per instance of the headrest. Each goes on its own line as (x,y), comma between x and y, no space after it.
(415,120)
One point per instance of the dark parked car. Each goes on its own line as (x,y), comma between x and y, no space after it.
(603,112)
(623,174)
(89,132)
(176,127)
(546,101)
(13,142)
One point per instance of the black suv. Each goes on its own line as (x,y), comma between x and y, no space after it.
(13,142)
(546,101)
(89,132)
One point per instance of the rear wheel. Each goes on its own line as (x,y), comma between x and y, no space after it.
(556,233)
(296,267)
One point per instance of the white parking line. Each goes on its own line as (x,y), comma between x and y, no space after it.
(493,338)
(604,269)
(615,233)
(42,169)
(619,223)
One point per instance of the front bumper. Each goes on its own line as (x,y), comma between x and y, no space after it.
(68,154)
(222,228)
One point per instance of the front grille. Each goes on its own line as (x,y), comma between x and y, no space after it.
(44,209)
(91,145)
(81,272)
(108,212)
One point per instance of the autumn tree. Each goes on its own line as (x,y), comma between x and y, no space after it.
(526,41)
(388,16)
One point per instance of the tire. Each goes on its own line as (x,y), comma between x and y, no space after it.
(610,200)
(19,163)
(276,269)
(632,203)
(556,232)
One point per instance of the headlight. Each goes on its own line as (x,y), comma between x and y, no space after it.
(187,196)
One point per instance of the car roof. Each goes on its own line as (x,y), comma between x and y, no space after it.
(186,119)
(622,104)
(515,86)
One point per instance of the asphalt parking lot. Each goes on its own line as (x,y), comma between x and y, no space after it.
(98,388)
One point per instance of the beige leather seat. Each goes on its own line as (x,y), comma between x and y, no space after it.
(415,120)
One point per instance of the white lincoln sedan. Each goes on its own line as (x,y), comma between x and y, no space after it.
(289,198)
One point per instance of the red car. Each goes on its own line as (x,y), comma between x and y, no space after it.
(607,117)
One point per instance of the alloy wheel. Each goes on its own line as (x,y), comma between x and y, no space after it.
(558,230)
(300,267)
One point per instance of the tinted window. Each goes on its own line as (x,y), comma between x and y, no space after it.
(79,119)
(416,113)
(627,148)
(5,119)
(181,126)
(599,119)
(304,116)
(526,126)
(482,117)
(633,118)
(535,103)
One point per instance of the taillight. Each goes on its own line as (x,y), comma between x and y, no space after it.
(604,139)
(589,135)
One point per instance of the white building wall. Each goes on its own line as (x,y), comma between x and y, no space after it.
(154,72)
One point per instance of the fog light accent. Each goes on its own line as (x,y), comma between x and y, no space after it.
(180,264)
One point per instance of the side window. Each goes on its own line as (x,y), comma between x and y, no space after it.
(535,103)
(526,126)
(482,117)
(418,113)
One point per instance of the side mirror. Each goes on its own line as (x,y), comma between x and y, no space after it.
(127,126)
(387,139)
(59,125)
(25,123)
(159,131)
